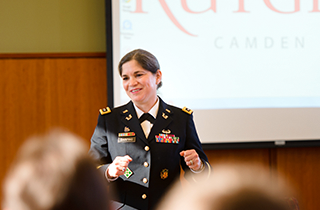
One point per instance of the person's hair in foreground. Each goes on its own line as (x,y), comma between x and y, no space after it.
(231,187)
(54,172)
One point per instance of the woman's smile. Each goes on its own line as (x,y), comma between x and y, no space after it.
(135,90)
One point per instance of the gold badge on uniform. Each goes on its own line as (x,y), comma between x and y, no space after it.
(164,116)
(185,109)
(105,111)
(129,117)
(126,129)
(164,173)
(166,131)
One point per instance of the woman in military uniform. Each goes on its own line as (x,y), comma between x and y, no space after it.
(140,146)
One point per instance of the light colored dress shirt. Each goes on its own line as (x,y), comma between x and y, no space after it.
(146,125)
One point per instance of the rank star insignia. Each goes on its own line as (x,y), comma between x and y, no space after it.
(164,173)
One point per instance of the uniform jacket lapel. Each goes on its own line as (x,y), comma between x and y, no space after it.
(130,119)
(164,118)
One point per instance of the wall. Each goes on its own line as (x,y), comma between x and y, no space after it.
(300,166)
(52,69)
(38,26)
(37,94)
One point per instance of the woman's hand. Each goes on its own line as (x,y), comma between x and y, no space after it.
(192,159)
(118,166)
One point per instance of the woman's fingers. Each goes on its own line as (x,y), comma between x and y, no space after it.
(119,165)
(192,159)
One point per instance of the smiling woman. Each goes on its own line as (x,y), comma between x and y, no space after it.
(153,139)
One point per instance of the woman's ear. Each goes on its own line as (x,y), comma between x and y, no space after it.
(158,76)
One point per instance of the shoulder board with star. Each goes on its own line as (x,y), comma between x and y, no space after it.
(186,110)
(105,111)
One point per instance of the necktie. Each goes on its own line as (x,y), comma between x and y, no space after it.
(147,116)
(146,121)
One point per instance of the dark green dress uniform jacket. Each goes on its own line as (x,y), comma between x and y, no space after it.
(155,165)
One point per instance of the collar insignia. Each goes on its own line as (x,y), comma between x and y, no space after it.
(164,115)
(129,117)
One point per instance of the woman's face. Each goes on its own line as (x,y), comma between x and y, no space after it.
(140,84)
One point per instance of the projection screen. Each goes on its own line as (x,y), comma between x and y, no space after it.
(250,70)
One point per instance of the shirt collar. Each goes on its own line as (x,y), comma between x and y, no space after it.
(153,111)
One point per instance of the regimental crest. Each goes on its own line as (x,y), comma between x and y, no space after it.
(164,173)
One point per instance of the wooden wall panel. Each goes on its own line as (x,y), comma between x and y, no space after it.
(39,94)
(301,167)
(234,156)
(248,156)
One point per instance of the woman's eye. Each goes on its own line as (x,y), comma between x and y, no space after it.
(139,75)
(124,78)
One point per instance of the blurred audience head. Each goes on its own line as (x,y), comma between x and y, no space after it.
(54,172)
(231,187)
